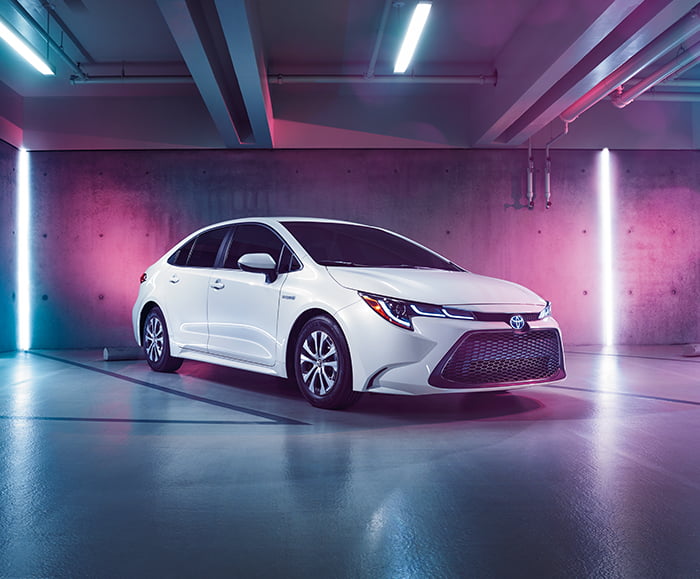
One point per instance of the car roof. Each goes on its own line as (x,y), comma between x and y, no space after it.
(282,220)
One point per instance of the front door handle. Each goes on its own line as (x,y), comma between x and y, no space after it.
(218,284)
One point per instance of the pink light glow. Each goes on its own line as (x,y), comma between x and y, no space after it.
(605,219)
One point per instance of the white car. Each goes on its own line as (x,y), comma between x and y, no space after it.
(344,309)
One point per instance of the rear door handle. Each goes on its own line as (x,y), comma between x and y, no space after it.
(218,284)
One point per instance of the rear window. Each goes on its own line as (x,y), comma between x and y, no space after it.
(200,251)
(342,244)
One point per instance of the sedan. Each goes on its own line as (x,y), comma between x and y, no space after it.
(342,309)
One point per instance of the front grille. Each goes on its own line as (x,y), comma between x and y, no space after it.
(495,357)
(489,317)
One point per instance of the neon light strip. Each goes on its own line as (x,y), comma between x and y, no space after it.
(606,249)
(21,47)
(413,34)
(23,278)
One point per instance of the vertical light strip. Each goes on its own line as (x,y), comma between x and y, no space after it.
(413,34)
(605,217)
(23,258)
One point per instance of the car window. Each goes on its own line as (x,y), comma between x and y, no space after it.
(253,238)
(181,255)
(343,244)
(288,261)
(201,251)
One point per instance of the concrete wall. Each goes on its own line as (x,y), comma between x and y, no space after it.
(8,187)
(102,217)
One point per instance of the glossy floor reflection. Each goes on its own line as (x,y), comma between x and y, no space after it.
(110,470)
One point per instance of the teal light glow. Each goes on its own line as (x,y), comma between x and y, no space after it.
(413,34)
(23,257)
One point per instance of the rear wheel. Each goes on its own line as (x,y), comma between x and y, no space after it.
(156,344)
(322,365)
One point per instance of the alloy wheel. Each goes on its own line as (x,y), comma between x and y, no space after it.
(154,337)
(319,363)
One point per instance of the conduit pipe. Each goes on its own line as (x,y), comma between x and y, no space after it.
(378,41)
(135,79)
(548,166)
(530,176)
(683,83)
(687,58)
(671,38)
(668,96)
(481,79)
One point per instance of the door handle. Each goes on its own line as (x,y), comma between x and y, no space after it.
(174,278)
(218,284)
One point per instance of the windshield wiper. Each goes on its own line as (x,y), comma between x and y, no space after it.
(339,262)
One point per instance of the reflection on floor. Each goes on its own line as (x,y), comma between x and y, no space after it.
(108,469)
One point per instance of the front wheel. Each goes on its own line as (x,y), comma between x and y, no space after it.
(156,344)
(322,365)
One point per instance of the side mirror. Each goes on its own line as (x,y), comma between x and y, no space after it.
(259,263)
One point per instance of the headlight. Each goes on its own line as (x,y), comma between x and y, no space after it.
(401,313)
(546,312)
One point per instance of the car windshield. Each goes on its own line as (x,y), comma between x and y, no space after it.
(343,244)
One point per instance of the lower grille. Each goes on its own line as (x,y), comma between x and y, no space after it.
(497,357)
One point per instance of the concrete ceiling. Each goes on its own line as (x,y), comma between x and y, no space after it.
(140,74)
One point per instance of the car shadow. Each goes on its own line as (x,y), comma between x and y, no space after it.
(537,403)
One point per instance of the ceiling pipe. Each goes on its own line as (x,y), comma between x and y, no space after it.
(671,38)
(74,66)
(668,96)
(683,83)
(135,79)
(682,61)
(481,79)
(548,166)
(378,41)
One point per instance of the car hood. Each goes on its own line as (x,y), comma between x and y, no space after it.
(435,286)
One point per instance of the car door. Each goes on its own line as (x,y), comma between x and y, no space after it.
(243,306)
(187,289)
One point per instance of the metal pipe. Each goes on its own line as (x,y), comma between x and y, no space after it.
(672,37)
(625,97)
(136,79)
(668,96)
(45,36)
(530,176)
(378,41)
(384,79)
(683,83)
(548,166)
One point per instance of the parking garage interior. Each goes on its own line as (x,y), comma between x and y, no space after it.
(514,157)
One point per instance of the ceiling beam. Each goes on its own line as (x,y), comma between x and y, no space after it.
(609,33)
(240,28)
(216,41)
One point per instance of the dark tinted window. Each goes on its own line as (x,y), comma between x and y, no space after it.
(206,246)
(288,261)
(181,256)
(251,238)
(360,246)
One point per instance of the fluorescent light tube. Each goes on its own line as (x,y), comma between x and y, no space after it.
(23,257)
(22,48)
(413,34)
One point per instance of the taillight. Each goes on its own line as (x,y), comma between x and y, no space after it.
(144,277)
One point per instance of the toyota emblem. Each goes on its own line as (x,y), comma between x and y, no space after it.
(517,322)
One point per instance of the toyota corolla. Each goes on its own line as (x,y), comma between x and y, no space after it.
(341,309)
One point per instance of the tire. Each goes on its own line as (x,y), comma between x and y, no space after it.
(322,365)
(156,343)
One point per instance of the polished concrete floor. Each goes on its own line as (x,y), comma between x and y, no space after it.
(110,470)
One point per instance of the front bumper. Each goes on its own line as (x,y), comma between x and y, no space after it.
(447,355)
